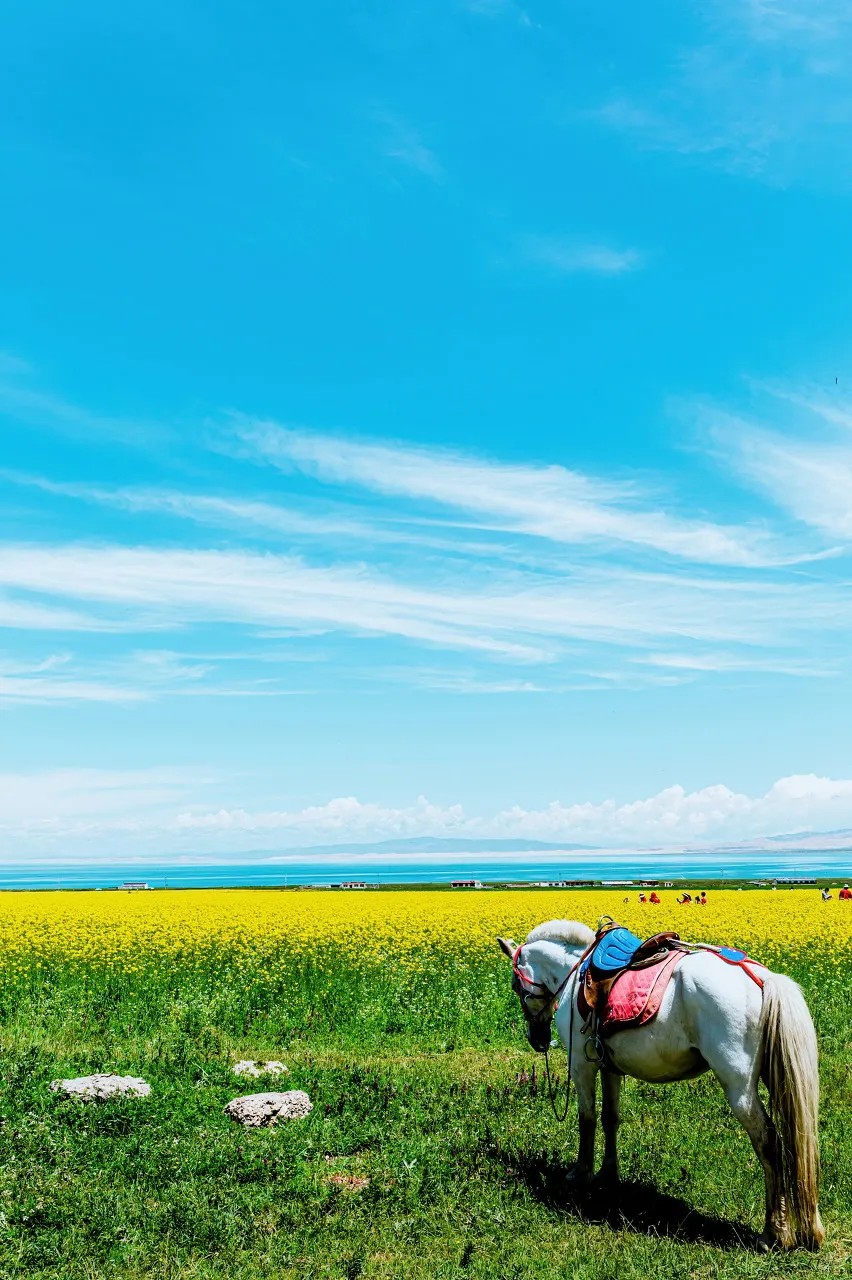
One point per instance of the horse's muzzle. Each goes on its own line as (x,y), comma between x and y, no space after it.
(538,1034)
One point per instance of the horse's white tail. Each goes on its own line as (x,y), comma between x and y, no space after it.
(791,1072)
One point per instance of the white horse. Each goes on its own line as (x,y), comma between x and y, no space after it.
(712,1017)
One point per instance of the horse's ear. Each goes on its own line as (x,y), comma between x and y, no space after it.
(507,946)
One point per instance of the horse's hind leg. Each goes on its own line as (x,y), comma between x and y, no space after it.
(610,1118)
(746,1105)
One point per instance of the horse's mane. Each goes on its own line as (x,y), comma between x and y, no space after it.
(571,932)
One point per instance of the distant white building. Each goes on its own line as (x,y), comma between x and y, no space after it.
(560,884)
(467,884)
(130,885)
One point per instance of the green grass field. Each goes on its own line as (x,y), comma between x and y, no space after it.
(425,1156)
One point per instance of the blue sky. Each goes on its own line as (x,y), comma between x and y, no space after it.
(423,420)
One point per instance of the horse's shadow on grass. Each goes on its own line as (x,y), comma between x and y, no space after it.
(630,1206)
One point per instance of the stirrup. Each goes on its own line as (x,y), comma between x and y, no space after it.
(598,1052)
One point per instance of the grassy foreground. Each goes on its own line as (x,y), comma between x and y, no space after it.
(427,1153)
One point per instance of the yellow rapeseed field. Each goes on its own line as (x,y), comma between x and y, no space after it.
(253,927)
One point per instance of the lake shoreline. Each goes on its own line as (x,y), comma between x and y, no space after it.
(384,871)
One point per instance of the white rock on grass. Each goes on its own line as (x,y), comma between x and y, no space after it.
(248,1067)
(258,1110)
(101,1086)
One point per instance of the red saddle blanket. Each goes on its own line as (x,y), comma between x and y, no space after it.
(636,995)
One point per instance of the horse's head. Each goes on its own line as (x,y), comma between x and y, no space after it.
(541,968)
(537,999)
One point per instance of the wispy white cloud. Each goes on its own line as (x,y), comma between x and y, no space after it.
(403,144)
(13,366)
(23,400)
(587,628)
(39,689)
(804,466)
(462,682)
(168,667)
(548,502)
(33,615)
(285,519)
(61,677)
(565,256)
(520,618)
(230,511)
(609,582)
(836,410)
(653,128)
(173,587)
(50,800)
(47,681)
(817,20)
(728,662)
(762,90)
(142,675)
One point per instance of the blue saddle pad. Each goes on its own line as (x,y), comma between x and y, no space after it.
(614,951)
(732,954)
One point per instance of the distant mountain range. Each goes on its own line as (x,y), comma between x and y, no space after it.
(818,840)
(445,844)
(422,848)
(426,845)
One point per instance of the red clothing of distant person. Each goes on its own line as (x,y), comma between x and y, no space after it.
(655,898)
(845,894)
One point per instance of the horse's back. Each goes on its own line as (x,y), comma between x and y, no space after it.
(710,1010)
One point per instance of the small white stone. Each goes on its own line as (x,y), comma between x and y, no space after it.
(257,1110)
(248,1067)
(100,1086)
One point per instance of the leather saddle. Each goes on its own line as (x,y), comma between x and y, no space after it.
(616,951)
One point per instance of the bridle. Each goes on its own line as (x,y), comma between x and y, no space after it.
(539,991)
(529,989)
(552,997)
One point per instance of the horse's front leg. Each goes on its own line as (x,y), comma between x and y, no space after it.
(584,1075)
(610,1117)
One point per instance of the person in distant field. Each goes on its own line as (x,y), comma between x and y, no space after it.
(703,897)
(626,898)
(642,898)
(655,898)
(826,895)
(845,894)
(685,900)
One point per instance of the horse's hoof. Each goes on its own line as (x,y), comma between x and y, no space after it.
(577,1179)
(606,1180)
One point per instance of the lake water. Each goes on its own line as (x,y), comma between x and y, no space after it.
(396,869)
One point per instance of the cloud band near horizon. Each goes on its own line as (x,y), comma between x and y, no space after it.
(85,813)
